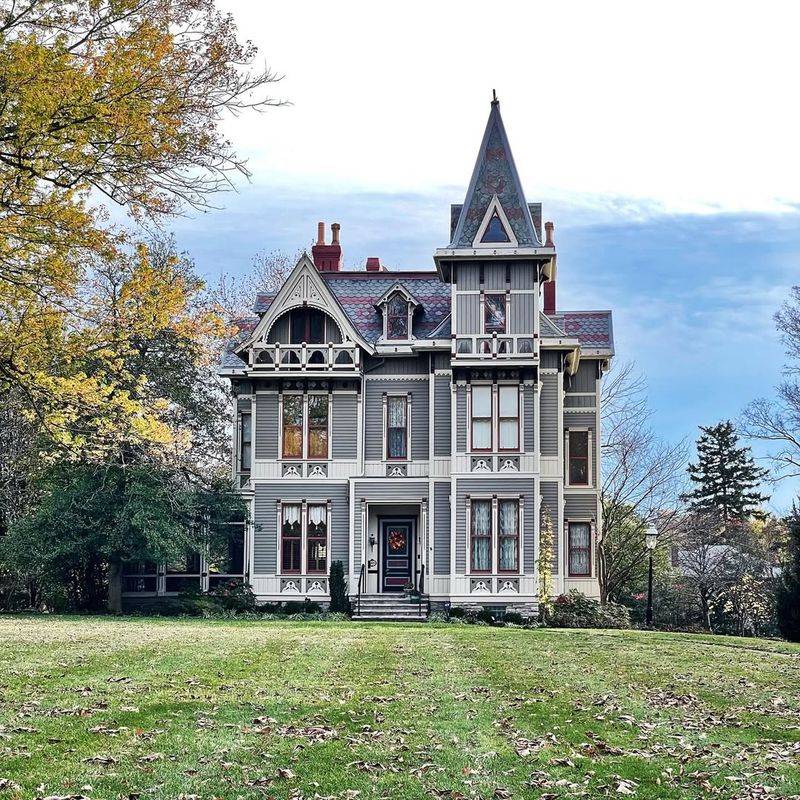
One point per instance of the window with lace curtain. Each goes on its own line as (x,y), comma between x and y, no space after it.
(481,536)
(291,538)
(304,530)
(397,427)
(580,549)
(317,539)
(508,536)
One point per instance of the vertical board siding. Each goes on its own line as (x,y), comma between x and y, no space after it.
(585,379)
(441,415)
(468,313)
(373,400)
(265,519)
(468,276)
(523,275)
(529,401)
(549,493)
(491,485)
(267,425)
(461,419)
(520,316)
(494,277)
(548,414)
(344,426)
(550,359)
(441,528)
(279,332)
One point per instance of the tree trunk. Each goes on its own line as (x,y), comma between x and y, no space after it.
(115,587)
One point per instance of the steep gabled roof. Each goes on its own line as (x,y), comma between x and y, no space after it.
(494,176)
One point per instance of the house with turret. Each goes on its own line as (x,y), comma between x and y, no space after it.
(419,425)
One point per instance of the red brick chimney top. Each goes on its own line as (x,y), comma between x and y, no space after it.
(548,233)
(327,257)
(374,264)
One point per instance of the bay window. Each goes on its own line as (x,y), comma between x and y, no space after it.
(579,549)
(481,417)
(494,313)
(508,416)
(305,426)
(481,534)
(578,455)
(245,442)
(397,426)
(291,538)
(508,536)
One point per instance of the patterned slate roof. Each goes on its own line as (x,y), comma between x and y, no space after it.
(593,329)
(263,302)
(357,297)
(494,174)
(229,359)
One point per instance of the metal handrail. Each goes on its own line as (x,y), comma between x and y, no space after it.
(420,588)
(361,578)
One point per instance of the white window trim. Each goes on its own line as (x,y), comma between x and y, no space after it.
(494,205)
(495,537)
(408,396)
(304,504)
(589,464)
(495,418)
(410,306)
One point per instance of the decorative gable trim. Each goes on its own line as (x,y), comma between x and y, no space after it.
(494,207)
(398,288)
(304,287)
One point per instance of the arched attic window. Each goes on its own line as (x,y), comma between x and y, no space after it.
(397,307)
(305,324)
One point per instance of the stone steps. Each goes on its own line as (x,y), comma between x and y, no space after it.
(389,608)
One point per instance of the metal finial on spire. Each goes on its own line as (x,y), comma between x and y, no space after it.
(495,101)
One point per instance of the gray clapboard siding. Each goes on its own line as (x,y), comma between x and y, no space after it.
(267,425)
(243,405)
(468,313)
(549,493)
(373,400)
(579,419)
(548,414)
(461,419)
(577,506)
(441,415)
(441,528)
(397,365)
(265,518)
(344,426)
(491,485)
(529,410)
(396,490)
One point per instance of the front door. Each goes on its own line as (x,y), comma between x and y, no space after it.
(397,546)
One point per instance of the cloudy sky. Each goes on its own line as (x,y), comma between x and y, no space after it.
(661,138)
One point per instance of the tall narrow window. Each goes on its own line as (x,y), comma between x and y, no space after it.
(307,325)
(318,426)
(291,539)
(397,427)
(293,426)
(246,442)
(508,417)
(508,536)
(481,417)
(580,554)
(317,539)
(481,535)
(397,318)
(579,458)
(494,313)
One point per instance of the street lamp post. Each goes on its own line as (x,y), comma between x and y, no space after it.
(650,539)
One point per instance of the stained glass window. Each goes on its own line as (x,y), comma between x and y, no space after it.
(397,318)
(494,313)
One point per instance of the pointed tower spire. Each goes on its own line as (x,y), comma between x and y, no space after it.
(494,213)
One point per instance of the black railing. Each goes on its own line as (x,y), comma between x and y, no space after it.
(421,587)
(361,579)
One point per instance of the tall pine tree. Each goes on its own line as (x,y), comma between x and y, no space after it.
(788,587)
(725,476)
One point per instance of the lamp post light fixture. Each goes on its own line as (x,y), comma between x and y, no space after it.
(650,541)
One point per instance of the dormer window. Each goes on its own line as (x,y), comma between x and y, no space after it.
(397,318)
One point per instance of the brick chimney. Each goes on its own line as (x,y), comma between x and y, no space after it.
(327,257)
(549,286)
(374,265)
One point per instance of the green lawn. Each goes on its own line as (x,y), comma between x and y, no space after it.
(122,708)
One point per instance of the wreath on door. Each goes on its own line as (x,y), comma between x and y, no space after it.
(397,540)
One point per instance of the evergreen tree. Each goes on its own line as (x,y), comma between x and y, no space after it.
(725,476)
(338,589)
(788,589)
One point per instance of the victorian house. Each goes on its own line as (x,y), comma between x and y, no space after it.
(418,425)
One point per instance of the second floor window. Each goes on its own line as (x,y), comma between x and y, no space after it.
(578,443)
(397,427)
(397,318)
(494,313)
(305,426)
(508,417)
(481,417)
(246,442)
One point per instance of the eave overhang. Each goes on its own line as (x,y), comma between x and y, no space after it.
(443,257)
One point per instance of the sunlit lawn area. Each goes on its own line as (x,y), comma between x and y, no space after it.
(117,708)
